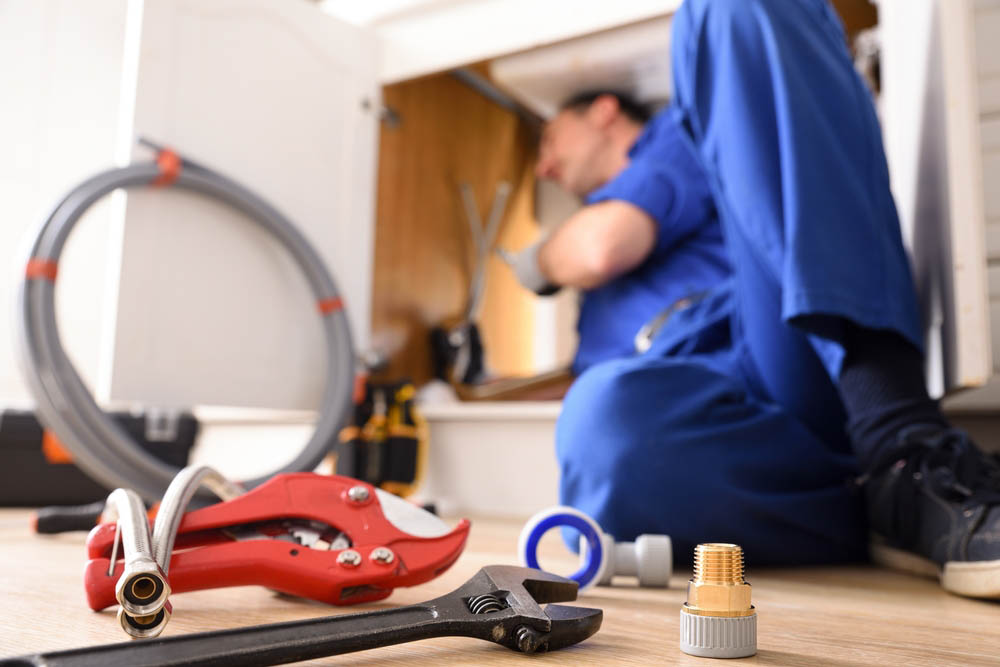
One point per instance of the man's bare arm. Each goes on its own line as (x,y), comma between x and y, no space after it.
(598,243)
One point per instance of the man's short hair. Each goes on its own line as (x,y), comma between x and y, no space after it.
(632,108)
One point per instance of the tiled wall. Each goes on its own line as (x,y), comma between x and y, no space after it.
(988,64)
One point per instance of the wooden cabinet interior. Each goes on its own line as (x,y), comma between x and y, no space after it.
(448,134)
(857,15)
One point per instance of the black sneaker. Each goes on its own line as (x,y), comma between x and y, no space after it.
(934,509)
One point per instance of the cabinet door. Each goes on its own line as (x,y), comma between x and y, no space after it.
(282,98)
(932,124)
(61,78)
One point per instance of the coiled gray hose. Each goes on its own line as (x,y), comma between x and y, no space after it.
(98,444)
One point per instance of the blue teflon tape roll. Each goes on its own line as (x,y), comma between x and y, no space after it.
(556,517)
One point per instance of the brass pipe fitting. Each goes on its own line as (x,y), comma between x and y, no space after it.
(144,627)
(718,619)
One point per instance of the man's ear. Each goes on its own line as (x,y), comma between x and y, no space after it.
(603,110)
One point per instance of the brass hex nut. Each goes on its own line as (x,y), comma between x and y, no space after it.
(144,627)
(717,599)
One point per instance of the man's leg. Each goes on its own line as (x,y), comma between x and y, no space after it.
(662,445)
(789,135)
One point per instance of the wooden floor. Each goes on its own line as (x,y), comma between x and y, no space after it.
(829,616)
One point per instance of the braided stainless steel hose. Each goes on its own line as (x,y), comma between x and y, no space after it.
(142,588)
(175,502)
(98,444)
(168,520)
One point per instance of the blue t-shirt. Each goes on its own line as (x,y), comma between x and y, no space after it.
(664,179)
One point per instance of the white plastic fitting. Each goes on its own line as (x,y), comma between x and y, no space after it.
(650,558)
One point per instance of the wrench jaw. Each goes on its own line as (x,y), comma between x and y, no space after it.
(571,625)
(566,626)
(529,588)
(502,604)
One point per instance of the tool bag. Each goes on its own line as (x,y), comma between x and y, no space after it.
(386,442)
(35,468)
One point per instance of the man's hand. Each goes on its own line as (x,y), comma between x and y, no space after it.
(526,269)
(598,243)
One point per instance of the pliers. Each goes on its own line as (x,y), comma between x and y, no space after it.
(329,538)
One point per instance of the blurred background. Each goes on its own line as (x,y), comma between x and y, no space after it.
(364,123)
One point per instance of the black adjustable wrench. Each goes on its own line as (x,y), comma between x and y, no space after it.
(501,604)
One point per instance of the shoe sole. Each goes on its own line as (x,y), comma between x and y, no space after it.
(978,579)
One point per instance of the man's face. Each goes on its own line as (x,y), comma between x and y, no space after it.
(570,151)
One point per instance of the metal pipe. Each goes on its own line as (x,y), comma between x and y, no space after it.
(490,91)
(485,243)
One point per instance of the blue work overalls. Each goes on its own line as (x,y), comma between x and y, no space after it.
(665,179)
(730,427)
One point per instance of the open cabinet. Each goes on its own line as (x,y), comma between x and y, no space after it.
(299,122)
(348,117)
(286,97)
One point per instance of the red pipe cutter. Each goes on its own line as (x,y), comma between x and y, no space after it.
(324,537)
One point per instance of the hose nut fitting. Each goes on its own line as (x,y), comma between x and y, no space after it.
(142,589)
(145,627)
(718,619)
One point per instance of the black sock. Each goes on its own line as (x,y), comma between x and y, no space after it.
(883,389)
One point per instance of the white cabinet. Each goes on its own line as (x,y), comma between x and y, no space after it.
(284,99)
(283,96)
(61,77)
(634,58)
(419,37)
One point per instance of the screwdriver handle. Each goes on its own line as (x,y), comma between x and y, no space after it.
(64,519)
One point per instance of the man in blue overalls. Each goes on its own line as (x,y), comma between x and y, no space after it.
(786,411)
(649,235)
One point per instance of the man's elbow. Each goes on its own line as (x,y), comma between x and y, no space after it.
(603,263)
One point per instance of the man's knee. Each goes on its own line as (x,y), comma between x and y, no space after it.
(632,416)
(598,417)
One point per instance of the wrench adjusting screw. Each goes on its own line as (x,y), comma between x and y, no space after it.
(383,555)
(529,640)
(358,494)
(349,558)
(718,620)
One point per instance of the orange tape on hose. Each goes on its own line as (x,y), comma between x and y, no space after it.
(327,306)
(53,450)
(169,163)
(41,268)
